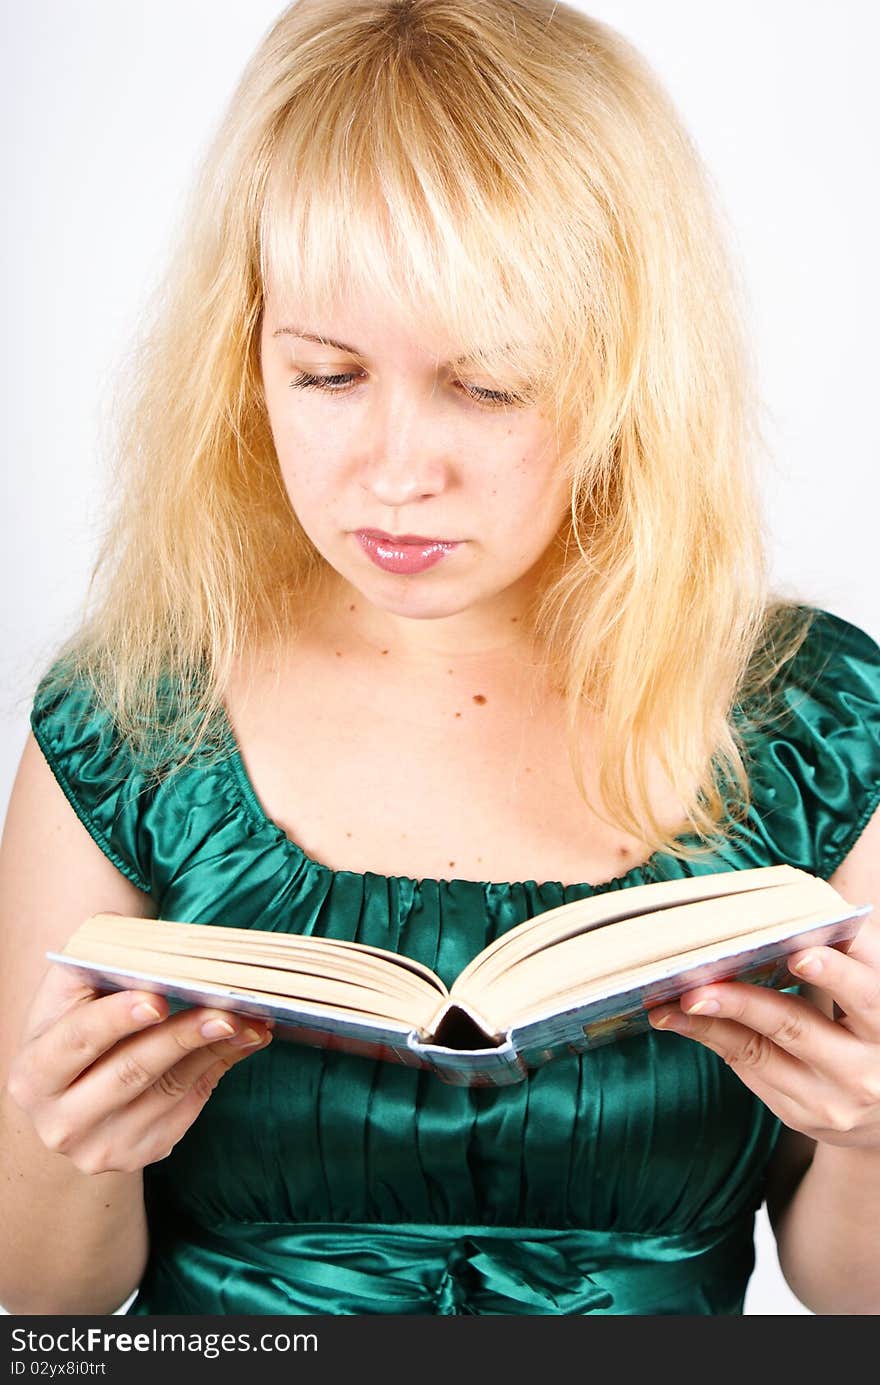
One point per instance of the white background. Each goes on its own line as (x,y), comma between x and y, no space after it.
(107,105)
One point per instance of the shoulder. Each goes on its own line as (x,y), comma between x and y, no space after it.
(837,659)
(155,803)
(91,765)
(812,746)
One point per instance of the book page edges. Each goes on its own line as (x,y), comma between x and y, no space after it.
(217,942)
(659,982)
(314,1016)
(108,934)
(590,1020)
(238,1000)
(648,939)
(391,993)
(580,916)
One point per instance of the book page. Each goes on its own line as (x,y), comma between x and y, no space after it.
(581,916)
(250,944)
(604,1009)
(647,939)
(367,992)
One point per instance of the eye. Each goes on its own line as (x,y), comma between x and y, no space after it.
(332,383)
(341,382)
(497,398)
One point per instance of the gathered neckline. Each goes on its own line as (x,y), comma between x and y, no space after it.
(251,802)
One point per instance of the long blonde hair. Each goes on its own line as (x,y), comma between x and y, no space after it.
(513,170)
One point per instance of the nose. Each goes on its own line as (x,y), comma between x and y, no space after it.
(404,456)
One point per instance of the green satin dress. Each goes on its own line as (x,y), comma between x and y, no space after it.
(624,1181)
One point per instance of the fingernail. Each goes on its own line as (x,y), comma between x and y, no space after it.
(143,1012)
(246,1039)
(217,1029)
(703,1007)
(808,966)
(661,1020)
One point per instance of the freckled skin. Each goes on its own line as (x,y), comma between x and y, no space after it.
(479,699)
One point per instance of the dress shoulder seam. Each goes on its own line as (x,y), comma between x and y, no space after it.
(840,853)
(85,818)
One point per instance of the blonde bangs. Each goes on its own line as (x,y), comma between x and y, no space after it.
(414,176)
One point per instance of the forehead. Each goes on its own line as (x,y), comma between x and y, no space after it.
(360,321)
(364,321)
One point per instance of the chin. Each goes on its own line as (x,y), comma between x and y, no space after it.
(419,602)
(424,609)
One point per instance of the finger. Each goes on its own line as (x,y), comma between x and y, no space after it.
(119,1145)
(164,1061)
(148,1130)
(790,1022)
(61,990)
(60,1050)
(56,1058)
(111,1107)
(821,1107)
(851,982)
(173,1093)
(782,1082)
(161,1129)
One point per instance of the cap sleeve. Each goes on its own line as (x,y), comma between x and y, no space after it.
(96,773)
(816,770)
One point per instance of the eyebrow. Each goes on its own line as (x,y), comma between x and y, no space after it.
(321,341)
(337,345)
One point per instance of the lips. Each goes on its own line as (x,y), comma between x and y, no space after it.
(422,540)
(404,553)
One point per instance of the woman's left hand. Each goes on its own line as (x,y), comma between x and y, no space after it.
(820,1076)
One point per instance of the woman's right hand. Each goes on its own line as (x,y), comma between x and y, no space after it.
(113,1086)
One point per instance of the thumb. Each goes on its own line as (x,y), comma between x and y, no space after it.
(62,988)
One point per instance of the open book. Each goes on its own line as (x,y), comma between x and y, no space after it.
(562,982)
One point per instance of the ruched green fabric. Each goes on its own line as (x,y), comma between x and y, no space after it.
(622,1181)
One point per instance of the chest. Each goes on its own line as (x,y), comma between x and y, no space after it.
(466,778)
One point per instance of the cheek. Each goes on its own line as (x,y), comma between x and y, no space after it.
(306,461)
(535,490)
(310,478)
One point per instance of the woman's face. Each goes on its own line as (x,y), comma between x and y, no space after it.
(419,482)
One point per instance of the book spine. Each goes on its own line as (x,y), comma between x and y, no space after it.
(484,1067)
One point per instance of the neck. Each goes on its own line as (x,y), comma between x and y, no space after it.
(492,633)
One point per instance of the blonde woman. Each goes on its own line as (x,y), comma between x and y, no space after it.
(436,596)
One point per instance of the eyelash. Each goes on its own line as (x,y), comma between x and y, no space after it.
(335,384)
